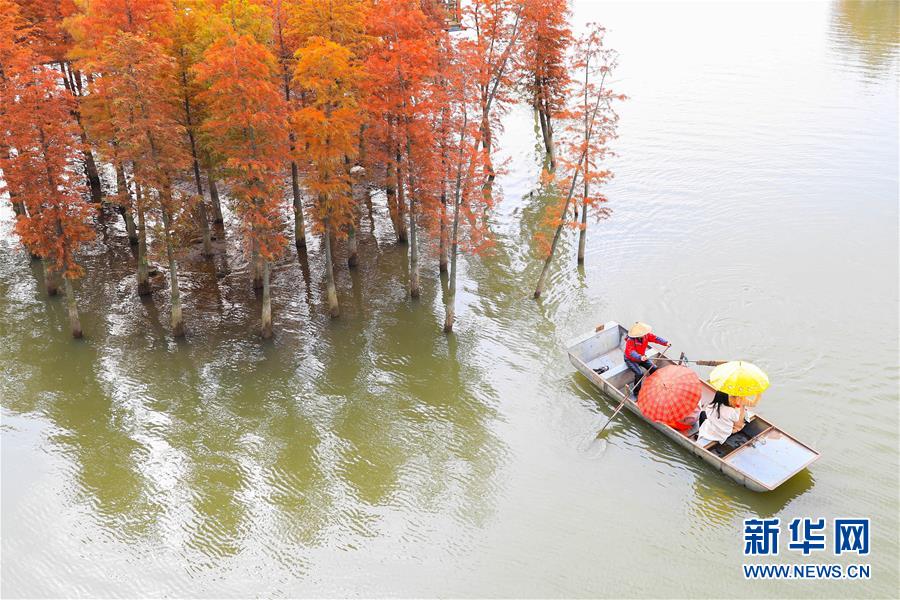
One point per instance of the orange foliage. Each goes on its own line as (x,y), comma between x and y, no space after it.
(546,38)
(327,126)
(46,17)
(591,125)
(247,126)
(402,94)
(37,164)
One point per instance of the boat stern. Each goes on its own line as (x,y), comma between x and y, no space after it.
(771,459)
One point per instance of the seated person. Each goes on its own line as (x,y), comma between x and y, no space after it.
(719,419)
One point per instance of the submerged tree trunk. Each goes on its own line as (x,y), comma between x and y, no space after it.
(414,290)
(357,190)
(299,223)
(201,206)
(266,302)
(74,321)
(547,134)
(51,278)
(334,308)
(143,269)
(443,252)
(486,144)
(450,307)
(214,196)
(390,192)
(177,320)
(582,233)
(125,204)
(403,236)
(202,215)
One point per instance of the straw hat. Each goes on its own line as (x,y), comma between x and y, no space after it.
(639,329)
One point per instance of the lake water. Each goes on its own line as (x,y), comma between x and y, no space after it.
(755,215)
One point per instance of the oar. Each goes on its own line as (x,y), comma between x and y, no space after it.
(704,363)
(618,408)
(627,393)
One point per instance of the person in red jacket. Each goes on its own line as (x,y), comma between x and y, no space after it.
(636,343)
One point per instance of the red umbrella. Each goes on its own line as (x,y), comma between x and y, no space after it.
(669,394)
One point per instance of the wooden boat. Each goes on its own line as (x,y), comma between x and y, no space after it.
(761,456)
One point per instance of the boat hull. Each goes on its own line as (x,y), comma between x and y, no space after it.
(767,459)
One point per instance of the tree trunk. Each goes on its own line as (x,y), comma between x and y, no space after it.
(414,290)
(403,234)
(143,270)
(72,82)
(450,307)
(256,266)
(443,259)
(204,229)
(201,206)
(19,208)
(202,215)
(299,223)
(214,196)
(125,204)
(391,194)
(266,302)
(90,170)
(74,321)
(177,320)
(333,307)
(547,134)
(582,233)
(357,190)
(486,144)
(51,278)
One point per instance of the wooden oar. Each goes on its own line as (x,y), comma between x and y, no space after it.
(618,408)
(704,363)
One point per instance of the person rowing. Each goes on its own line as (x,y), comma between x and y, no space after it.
(637,341)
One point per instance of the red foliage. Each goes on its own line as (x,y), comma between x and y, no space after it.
(404,95)
(247,126)
(545,40)
(591,125)
(38,163)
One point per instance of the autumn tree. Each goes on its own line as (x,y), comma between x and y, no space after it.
(465,171)
(339,21)
(496,26)
(247,125)
(187,21)
(401,78)
(593,124)
(42,151)
(541,60)
(209,21)
(54,44)
(328,76)
(285,44)
(124,42)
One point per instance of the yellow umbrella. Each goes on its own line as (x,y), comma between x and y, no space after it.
(739,378)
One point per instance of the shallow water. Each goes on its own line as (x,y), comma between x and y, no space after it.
(755,215)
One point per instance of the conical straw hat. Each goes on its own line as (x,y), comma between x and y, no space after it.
(639,329)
